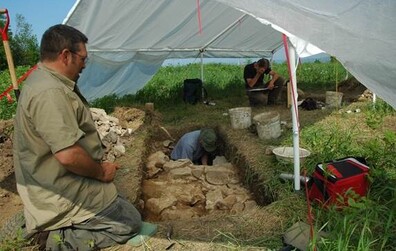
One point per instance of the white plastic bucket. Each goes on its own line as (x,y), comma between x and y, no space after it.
(268,125)
(241,117)
(333,99)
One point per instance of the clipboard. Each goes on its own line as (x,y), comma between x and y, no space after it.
(258,89)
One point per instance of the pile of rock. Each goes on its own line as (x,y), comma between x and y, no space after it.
(367,95)
(180,190)
(110,133)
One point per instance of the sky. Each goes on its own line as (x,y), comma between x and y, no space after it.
(40,14)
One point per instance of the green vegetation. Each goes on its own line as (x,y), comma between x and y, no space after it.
(221,81)
(370,223)
(8,108)
(23,44)
(25,54)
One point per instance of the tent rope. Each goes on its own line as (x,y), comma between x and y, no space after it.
(309,213)
(199,17)
(20,80)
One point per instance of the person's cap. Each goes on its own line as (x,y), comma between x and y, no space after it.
(208,138)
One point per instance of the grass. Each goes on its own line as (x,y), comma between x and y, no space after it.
(367,224)
(220,80)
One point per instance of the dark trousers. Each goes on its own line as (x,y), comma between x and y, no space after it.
(260,97)
(114,225)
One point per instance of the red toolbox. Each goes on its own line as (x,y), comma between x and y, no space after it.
(334,181)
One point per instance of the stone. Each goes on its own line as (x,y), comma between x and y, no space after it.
(221,175)
(154,188)
(237,208)
(190,195)
(119,150)
(167,143)
(172,164)
(227,203)
(159,157)
(212,198)
(178,213)
(157,205)
(268,150)
(250,205)
(111,137)
(180,173)
(182,190)
(219,160)
(198,172)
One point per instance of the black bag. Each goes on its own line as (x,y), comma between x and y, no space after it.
(192,90)
(309,104)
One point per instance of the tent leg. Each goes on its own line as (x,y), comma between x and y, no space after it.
(202,76)
(289,95)
(291,62)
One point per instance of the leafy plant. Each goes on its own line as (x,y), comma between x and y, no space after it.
(14,244)
(376,113)
(8,108)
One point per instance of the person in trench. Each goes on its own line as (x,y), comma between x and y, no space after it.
(198,146)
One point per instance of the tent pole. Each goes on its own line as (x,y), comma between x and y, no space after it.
(202,75)
(291,62)
(296,130)
(236,22)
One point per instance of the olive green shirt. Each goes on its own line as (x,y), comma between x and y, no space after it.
(51,117)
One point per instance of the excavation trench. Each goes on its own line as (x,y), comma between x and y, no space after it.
(175,190)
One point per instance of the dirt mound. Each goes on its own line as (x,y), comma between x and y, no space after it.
(352,89)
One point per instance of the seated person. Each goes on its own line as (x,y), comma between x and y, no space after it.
(254,79)
(196,146)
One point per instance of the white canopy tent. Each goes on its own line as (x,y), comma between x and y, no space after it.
(129,40)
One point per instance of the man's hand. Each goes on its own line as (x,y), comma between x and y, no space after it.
(76,160)
(253,81)
(109,171)
(274,77)
(260,71)
(204,159)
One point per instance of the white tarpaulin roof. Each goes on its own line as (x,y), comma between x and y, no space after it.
(129,40)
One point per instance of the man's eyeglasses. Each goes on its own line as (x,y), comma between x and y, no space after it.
(83,58)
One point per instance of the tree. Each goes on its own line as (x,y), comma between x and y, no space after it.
(24,44)
(3,59)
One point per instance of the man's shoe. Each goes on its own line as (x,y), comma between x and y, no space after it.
(147,230)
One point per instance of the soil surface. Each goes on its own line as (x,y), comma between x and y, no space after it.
(205,233)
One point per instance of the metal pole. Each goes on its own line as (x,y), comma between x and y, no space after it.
(291,62)
(296,130)
(202,76)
